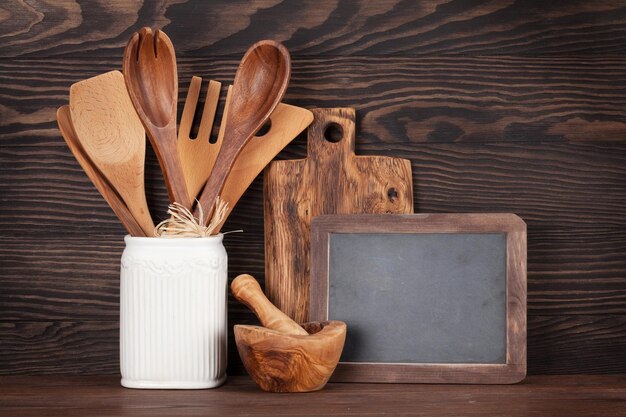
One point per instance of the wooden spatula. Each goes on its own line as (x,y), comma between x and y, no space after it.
(260,83)
(152,79)
(102,185)
(198,155)
(111,134)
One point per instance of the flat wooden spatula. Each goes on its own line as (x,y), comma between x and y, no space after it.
(99,181)
(113,138)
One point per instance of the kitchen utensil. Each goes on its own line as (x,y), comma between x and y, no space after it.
(102,185)
(331,180)
(198,155)
(260,83)
(247,290)
(284,357)
(287,122)
(112,137)
(280,362)
(152,80)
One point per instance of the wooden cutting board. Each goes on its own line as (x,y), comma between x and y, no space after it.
(330,180)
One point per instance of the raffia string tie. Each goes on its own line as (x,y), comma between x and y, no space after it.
(182,222)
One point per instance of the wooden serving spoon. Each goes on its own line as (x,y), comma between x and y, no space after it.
(260,83)
(113,139)
(247,290)
(152,80)
(102,185)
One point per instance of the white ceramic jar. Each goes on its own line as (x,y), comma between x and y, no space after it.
(173,313)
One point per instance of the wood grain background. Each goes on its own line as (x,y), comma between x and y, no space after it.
(502,106)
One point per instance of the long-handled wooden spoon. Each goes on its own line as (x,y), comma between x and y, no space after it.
(152,79)
(113,138)
(260,83)
(115,201)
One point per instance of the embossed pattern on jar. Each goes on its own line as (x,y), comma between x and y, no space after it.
(173,313)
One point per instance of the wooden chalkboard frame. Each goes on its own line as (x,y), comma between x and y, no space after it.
(512,371)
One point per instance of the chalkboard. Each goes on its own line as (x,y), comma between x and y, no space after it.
(427,298)
(453,302)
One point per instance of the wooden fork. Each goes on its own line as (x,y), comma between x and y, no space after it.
(198,155)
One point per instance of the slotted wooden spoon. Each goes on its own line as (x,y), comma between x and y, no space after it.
(260,83)
(113,138)
(152,79)
(198,155)
(102,185)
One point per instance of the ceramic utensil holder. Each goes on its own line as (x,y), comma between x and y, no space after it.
(173,313)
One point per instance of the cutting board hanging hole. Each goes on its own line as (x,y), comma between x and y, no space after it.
(333,133)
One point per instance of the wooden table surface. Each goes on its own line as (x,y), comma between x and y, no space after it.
(580,395)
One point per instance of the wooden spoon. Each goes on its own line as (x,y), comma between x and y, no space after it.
(113,139)
(247,290)
(152,80)
(259,86)
(115,201)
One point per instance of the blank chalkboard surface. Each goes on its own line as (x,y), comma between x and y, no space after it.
(427,298)
(431,298)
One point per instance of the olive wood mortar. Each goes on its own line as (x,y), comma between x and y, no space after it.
(284,357)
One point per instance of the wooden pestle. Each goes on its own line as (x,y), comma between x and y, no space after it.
(247,290)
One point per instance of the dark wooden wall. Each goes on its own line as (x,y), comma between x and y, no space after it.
(502,106)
